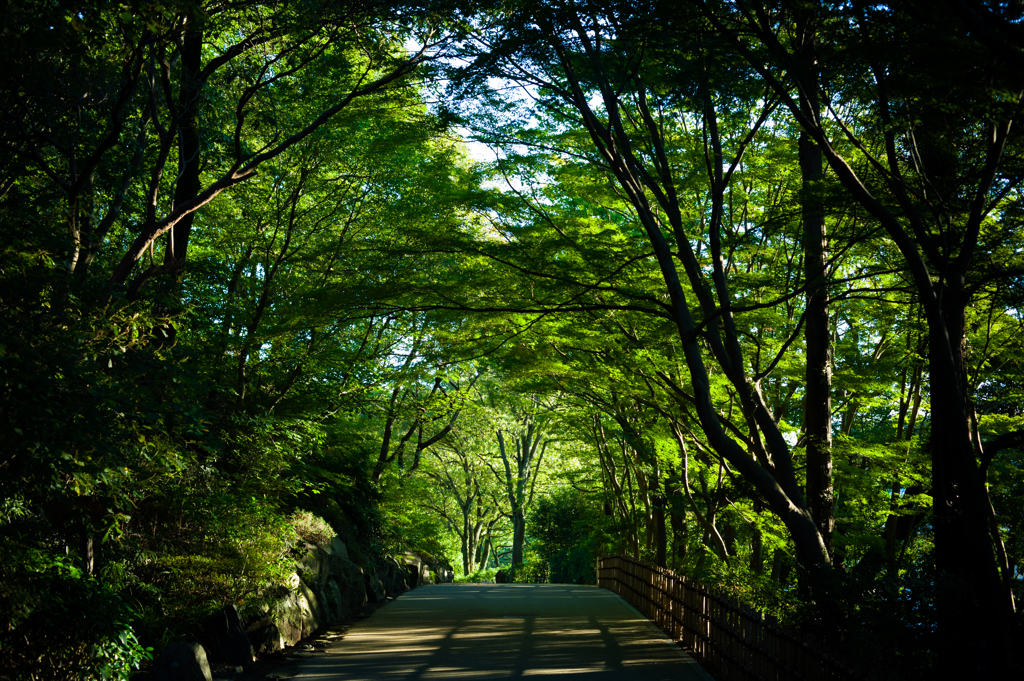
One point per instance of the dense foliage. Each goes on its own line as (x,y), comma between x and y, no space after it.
(734,288)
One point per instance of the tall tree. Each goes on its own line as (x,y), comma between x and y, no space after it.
(522,441)
(934,166)
(598,69)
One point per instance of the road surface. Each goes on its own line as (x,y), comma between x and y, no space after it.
(501,631)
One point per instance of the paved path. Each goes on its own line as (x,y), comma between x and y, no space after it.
(503,631)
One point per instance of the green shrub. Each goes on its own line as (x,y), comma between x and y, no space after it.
(312,528)
(228,550)
(478,577)
(577,565)
(62,624)
(567,528)
(533,570)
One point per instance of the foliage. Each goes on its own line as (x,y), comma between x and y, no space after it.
(596,341)
(478,577)
(62,623)
(533,570)
(567,529)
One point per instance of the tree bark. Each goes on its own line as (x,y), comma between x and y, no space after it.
(187,185)
(818,391)
(518,536)
(660,536)
(973,609)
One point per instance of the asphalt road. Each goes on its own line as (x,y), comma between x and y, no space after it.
(501,631)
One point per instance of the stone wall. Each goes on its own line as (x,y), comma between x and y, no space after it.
(326,587)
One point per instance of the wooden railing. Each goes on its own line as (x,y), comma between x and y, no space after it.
(730,640)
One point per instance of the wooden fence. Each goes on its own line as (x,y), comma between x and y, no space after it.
(730,640)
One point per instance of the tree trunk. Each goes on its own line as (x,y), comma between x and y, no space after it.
(187,186)
(818,391)
(467,546)
(973,611)
(518,535)
(659,535)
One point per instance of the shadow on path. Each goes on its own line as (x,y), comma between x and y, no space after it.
(506,631)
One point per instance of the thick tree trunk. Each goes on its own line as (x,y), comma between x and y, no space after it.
(818,391)
(680,532)
(974,614)
(187,186)
(518,535)
(817,336)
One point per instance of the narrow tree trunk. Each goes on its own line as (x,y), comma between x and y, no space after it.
(186,184)
(87,549)
(660,537)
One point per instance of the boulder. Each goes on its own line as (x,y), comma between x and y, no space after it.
(351,584)
(224,638)
(294,616)
(335,602)
(181,662)
(314,612)
(264,636)
(414,567)
(314,565)
(394,577)
(375,592)
(286,615)
(425,576)
(338,548)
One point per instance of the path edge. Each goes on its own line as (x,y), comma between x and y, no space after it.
(694,665)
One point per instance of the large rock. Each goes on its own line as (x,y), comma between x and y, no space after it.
(338,548)
(294,616)
(224,638)
(314,565)
(425,574)
(335,601)
(264,636)
(414,567)
(375,592)
(394,577)
(286,616)
(181,662)
(315,604)
(351,584)
(445,573)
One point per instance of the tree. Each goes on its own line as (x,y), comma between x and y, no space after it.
(937,177)
(103,138)
(523,438)
(577,57)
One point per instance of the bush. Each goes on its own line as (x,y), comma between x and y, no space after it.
(312,528)
(478,577)
(230,549)
(567,528)
(533,570)
(576,565)
(62,624)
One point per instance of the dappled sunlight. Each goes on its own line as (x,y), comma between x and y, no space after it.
(501,632)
